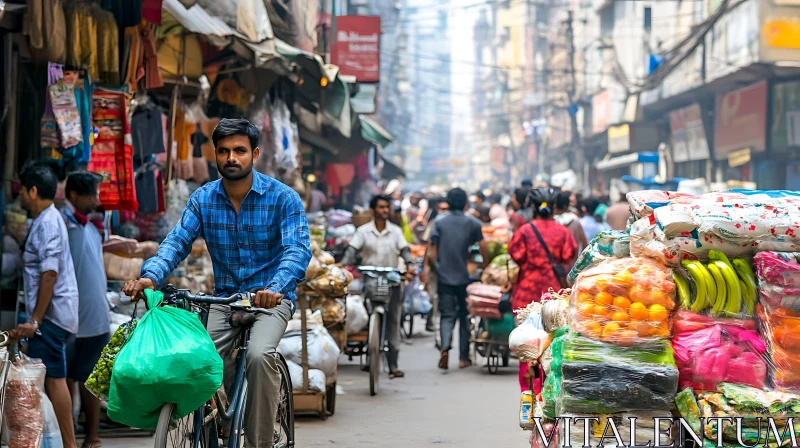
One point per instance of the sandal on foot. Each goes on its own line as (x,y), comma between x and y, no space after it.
(464,364)
(396,374)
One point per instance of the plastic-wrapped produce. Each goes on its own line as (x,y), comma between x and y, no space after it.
(551,389)
(529,339)
(334,281)
(720,353)
(778,268)
(24,414)
(501,271)
(483,300)
(781,330)
(99,382)
(356,316)
(332,310)
(626,301)
(721,287)
(607,244)
(605,378)
(686,321)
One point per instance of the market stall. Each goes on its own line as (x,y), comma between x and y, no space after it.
(690,313)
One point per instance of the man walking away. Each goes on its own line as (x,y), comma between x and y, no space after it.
(617,215)
(51,291)
(382,244)
(448,254)
(86,246)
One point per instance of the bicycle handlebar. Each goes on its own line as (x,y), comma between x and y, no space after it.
(377,269)
(238,300)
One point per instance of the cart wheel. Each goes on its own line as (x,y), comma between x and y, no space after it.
(330,399)
(492,360)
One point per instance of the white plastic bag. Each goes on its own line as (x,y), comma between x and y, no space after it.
(23,407)
(316,378)
(323,352)
(51,436)
(417,297)
(313,321)
(357,317)
(529,339)
(284,133)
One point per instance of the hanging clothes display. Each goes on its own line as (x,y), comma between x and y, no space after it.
(150,188)
(65,109)
(45,26)
(80,154)
(151,11)
(140,58)
(49,140)
(112,153)
(81,37)
(107,46)
(147,132)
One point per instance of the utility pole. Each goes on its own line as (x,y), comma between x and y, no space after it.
(573,109)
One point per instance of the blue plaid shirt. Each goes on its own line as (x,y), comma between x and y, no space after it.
(265,245)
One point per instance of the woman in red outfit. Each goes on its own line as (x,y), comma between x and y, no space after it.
(536,274)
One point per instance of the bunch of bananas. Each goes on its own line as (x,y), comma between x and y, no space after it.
(722,286)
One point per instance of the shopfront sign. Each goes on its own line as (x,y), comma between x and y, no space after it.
(688,134)
(739,157)
(741,121)
(356,47)
(619,139)
(781,32)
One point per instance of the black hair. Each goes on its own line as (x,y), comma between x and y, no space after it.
(527,183)
(83,183)
(480,195)
(591,205)
(562,200)
(522,195)
(483,213)
(457,199)
(495,199)
(543,202)
(235,126)
(42,177)
(373,203)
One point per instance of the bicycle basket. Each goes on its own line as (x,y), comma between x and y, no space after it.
(376,288)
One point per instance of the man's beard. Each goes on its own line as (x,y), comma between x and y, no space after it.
(236,174)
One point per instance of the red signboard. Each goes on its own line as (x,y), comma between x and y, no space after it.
(356,47)
(741,120)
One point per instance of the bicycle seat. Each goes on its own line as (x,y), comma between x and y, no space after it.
(242,319)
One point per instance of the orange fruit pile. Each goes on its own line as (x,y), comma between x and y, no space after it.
(624,301)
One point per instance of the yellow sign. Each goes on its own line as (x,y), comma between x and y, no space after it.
(739,158)
(781,33)
(457,163)
(619,138)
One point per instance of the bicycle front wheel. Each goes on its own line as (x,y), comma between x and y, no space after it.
(284,421)
(187,432)
(375,352)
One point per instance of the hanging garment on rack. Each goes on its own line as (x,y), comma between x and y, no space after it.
(151,11)
(82,37)
(147,133)
(152,73)
(112,153)
(46,28)
(65,109)
(147,188)
(107,46)
(80,154)
(48,133)
(126,12)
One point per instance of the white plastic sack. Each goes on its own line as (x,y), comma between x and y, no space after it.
(417,297)
(316,378)
(323,352)
(51,436)
(313,321)
(284,133)
(529,339)
(252,20)
(357,317)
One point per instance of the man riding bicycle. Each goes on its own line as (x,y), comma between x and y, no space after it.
(257,234)
(382,244)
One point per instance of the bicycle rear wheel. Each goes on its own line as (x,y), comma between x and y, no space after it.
(180,433)
(375,352)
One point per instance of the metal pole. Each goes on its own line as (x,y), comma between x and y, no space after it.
(304,334)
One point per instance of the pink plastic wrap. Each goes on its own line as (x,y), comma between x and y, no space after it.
(778,268)
(483,300)
(719,353)
(687,321)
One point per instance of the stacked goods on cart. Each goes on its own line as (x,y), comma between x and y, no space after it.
(323,351)
(499,235)
(484,300)
(722,287)
(779,315)
(537,325)
(501,271)
(607,244)
(328,283)
(672,226)
(754,406)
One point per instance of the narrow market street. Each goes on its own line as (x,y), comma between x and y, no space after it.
(461,408)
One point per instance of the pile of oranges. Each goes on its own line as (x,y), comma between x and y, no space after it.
(624,301)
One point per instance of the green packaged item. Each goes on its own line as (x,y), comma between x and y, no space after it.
(99,382)
(169,358)
(499,329)
(688,408)
(607,244)
(551,388)
(579,348)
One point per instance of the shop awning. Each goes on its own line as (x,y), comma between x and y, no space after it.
(390,170)
(372,131)
(620,161)
(198,20)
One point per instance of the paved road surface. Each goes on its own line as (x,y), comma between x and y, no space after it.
(461,408)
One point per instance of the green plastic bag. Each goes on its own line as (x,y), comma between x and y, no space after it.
(499,329)
(170,358)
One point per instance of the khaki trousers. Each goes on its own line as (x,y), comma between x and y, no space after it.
(263,377)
